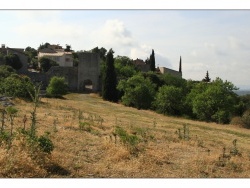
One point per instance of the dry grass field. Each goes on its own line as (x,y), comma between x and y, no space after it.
(97,139)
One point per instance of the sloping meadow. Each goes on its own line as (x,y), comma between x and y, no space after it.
(93,138)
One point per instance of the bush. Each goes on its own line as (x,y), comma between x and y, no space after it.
(57,87)
(169,100)
(45,144)
(246,119)
(138,92)
(237,121)
(16,86)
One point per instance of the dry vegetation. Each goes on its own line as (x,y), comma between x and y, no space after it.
(94,138)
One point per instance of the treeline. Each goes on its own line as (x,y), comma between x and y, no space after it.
(205,100)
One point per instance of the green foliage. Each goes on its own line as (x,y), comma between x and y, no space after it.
(57,87)
(85,126)
(152,61)
(154,78)
(109,91)
(31,53)
(45,144)
(16,86)
(213,101)
(206,79)
(169,80)
(169,100)
(138,92)
(6,71)
(42,46)
(46,64)
(127,139)
(124,67)
(13,61)
(102,51)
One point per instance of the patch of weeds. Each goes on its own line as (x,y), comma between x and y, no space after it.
(235,151)
(235,167)
(183,133)
(129,140)
(4,138)
(45,144)
(223,158)
(84,126)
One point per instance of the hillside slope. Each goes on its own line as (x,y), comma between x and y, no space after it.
(94,138)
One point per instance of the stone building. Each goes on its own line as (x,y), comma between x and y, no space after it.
(85,77)
(141,65)
(57,54)
(144,67)
(21,55)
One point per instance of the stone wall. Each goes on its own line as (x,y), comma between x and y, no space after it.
(69,73)
(165,70)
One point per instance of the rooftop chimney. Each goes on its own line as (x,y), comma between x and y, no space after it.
(3,45)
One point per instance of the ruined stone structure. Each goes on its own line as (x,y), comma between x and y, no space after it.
(20,53)
(85,77)
(144,67)
(141,65)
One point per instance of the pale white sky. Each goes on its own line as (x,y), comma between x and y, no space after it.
(216,40)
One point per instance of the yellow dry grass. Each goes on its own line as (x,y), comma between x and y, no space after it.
(98,152)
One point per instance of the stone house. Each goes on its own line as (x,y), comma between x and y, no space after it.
(57,54)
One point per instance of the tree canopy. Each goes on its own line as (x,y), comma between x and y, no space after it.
(109,91)
(46,63)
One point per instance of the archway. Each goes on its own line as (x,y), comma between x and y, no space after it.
(87,85)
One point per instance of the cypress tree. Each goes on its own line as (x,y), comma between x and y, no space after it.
(206,79)
(109,91)
(152,61)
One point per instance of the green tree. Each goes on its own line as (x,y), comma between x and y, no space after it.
(13,61)
(57,87)
(68,48)
(169,100)
(206,79)
(31,53)
(42,46)
(102,51)
(109,91)
(152,61)
(6,70)
(154,78)
(215,101)
(139,92)
(124,67)
(46,63)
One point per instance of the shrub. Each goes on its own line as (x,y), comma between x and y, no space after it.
(237,121)
(57,87)
(17,86)
(246,119)
(45,144)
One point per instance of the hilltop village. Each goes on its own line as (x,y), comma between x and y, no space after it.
(80,76)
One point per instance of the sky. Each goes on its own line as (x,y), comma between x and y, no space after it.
(211,40)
